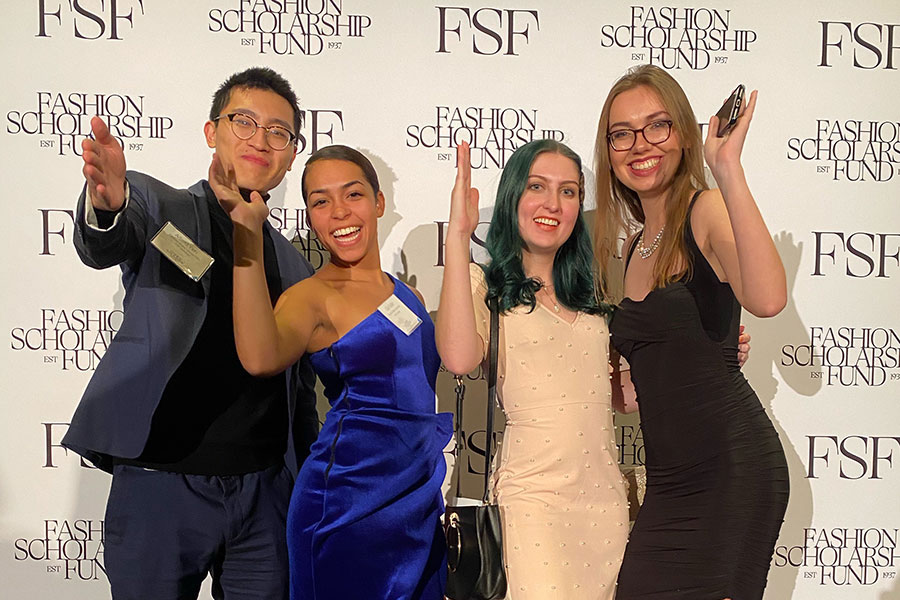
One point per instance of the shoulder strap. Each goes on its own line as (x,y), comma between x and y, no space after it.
(688,230)
(694,199)
(493,351)
(687,225)
(492,393)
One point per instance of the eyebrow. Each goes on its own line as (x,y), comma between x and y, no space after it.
(250,113)
(347,185)
(565,181)
(650,118)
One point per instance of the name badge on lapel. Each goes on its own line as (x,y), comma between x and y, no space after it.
(182,251)
(399,314)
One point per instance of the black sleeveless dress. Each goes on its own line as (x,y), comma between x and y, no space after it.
(717,479)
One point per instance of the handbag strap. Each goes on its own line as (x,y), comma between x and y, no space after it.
(457,426)
(492,393)
(493,346)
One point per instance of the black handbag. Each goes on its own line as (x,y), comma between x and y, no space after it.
(475,568)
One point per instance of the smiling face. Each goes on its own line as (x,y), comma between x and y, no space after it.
(256,165)
(343,209)
(550,204)
(646,168)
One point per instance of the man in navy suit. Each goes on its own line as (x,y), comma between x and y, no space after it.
(197,447)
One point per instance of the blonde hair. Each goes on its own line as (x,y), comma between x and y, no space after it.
(619,208)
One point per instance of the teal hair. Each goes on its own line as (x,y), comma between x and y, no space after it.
(574,280)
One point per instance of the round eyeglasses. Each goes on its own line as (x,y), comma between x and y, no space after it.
(655,132)
(244,127)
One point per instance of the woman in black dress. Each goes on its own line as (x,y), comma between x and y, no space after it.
(717,480)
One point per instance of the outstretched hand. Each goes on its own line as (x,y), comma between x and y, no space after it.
(224,185)
(104,167)
(724,152)
(464,199)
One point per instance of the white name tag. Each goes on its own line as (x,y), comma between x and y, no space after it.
(399,314)
(182,251)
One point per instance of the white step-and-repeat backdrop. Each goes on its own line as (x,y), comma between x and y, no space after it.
(404,82)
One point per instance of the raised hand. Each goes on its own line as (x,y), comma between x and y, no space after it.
(224,185)
(722,153)
(458,342)
(464,199)
(104,167)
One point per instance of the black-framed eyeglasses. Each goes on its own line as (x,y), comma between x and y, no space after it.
(655,132)
(245,126)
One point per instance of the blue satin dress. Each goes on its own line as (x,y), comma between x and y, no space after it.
(363,522)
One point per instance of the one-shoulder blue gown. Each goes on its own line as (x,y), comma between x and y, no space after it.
(363,522)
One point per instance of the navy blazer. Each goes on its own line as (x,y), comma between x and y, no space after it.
(164,310)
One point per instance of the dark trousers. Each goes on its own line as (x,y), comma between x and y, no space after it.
(166,531)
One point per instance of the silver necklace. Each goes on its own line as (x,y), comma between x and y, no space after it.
(645,251)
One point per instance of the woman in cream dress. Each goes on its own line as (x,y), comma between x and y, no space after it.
(562,498)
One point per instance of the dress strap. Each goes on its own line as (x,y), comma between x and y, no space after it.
(688,231)
(693,200)
(718,308)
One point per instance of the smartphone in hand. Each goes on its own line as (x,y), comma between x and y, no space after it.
(729,112)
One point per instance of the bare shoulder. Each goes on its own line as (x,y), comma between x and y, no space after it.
(310,292)
(709,214)
(709,200)
(414,291)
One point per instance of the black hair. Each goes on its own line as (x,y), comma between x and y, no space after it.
(256,78)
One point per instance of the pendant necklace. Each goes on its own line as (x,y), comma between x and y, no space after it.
(645,251)
(550,298)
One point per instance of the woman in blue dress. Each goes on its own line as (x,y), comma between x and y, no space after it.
(364,516)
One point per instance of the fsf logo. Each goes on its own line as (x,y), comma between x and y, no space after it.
(492,30)
(89,19)
(871,45)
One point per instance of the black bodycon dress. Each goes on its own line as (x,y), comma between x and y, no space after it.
(717,479)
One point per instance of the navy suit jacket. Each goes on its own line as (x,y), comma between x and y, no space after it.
(164,310)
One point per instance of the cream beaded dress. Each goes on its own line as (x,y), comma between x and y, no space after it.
(562,499)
